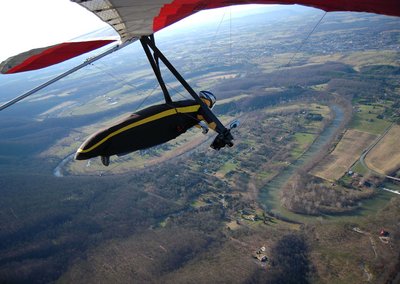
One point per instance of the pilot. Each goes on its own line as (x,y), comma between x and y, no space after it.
(150,127)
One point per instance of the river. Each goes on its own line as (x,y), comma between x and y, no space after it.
(58,171)
(269,194)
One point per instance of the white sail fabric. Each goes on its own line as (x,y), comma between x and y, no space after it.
(130,18)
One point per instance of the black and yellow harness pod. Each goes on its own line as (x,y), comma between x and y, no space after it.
(146,128)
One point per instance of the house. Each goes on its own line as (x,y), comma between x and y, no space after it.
(249,217)
(314,116)
(384,233)
(260,255)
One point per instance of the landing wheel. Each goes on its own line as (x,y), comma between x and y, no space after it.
(105,160)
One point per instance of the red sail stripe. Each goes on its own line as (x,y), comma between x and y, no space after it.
(179,9)
(56,54)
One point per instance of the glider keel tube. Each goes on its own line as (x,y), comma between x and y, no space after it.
(65,74)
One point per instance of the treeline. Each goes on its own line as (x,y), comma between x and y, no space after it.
(306,194)
(356,87)
(264,99)
(285,78)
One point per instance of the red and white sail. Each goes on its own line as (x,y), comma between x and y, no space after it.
(136,18)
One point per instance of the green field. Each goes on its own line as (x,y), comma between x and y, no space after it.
(227,167)
(366,119)
(303,141)
(359,168)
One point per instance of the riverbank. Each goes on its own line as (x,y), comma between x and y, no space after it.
(269,195)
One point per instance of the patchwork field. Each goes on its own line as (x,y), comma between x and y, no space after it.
(385,156)
(347,151)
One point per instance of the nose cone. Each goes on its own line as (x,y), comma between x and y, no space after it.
(80,156)
(94,146)
(82,153)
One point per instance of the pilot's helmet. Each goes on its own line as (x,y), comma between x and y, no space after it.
(208,98)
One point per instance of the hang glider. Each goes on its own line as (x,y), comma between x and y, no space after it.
(139,20)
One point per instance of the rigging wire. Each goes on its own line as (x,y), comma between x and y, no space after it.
(209,46)
(117,79)
(126,82)
(246,119)
(230,38)
(299,48)
(305,40)
(148,96)
(211,42)
(216,31)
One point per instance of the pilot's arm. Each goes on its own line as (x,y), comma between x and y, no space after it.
(224,136)
(204,124)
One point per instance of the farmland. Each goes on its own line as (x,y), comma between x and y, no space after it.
(384,158)
(346,153)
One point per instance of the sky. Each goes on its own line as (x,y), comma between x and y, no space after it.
(28,24)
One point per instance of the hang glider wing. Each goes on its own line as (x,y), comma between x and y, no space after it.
(135,18)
